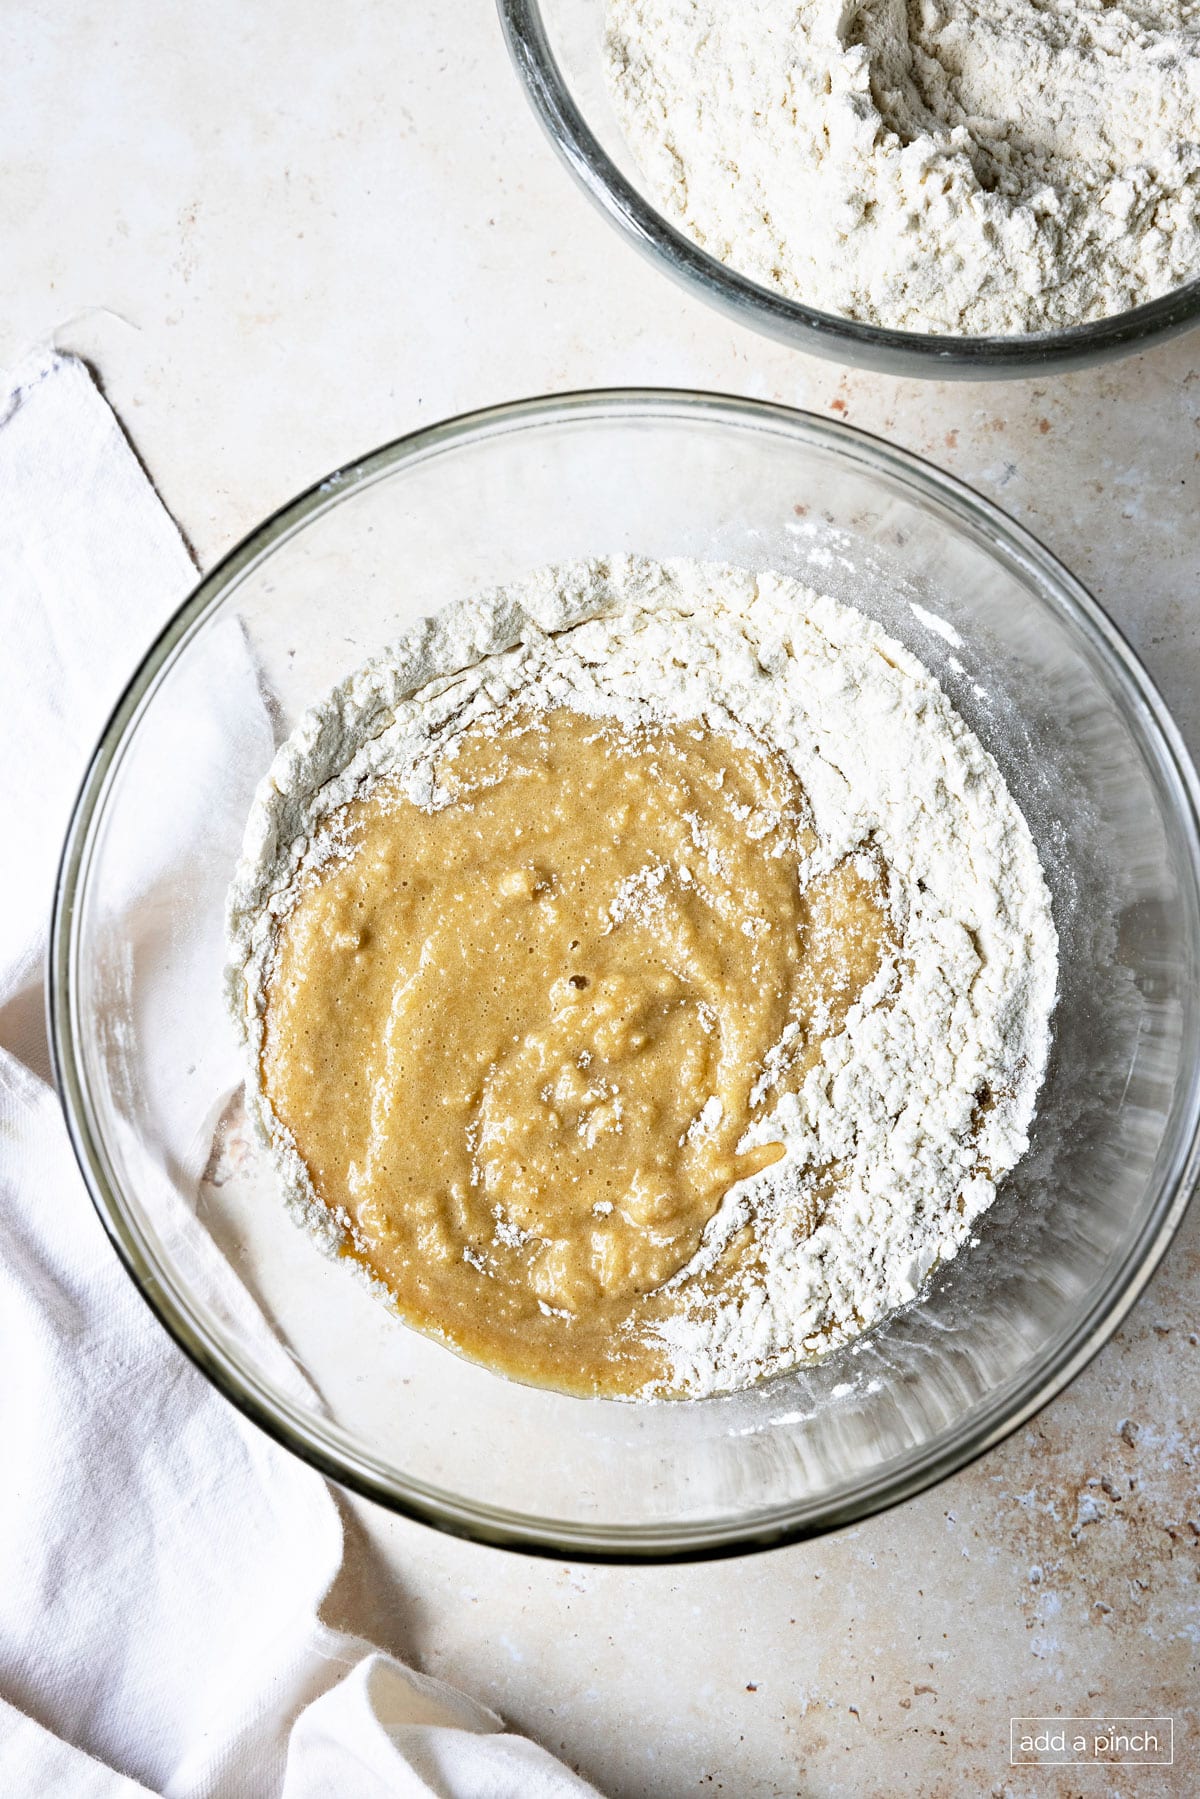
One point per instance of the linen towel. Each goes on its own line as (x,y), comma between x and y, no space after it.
(162,1563)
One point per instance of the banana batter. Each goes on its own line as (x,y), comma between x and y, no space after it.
(518,1035)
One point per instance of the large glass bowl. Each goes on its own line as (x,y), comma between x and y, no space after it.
(149,1076)
(557,47)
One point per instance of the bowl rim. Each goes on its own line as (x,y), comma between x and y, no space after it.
(931,355)
(332,1452)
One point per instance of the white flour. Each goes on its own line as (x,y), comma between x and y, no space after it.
(928,165)
(924,1100)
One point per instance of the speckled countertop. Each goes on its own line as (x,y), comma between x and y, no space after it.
(282,236)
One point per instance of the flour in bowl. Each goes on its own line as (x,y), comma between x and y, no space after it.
(924,165)
(807,1018)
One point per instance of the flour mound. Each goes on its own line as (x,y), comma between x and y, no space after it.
(897,1138)
(925,165)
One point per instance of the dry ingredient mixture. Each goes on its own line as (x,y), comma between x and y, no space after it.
(924,165)
(644,976)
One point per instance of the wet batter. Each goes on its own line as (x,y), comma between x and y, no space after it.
(518,1037)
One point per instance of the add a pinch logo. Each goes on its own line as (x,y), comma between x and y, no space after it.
(1092,1742)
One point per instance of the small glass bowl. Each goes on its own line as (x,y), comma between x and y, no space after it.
(150,1076)
(557,47)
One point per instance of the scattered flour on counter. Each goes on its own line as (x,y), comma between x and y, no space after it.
(925,165)
(897,1137)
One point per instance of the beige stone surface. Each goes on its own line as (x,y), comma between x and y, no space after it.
(283,233)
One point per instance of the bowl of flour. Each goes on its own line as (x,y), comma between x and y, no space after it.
(1023,1036)
(937,188)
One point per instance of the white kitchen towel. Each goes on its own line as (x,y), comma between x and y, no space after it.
(162,1563)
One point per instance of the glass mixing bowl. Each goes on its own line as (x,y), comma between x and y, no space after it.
(149,1074)
(557,47)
